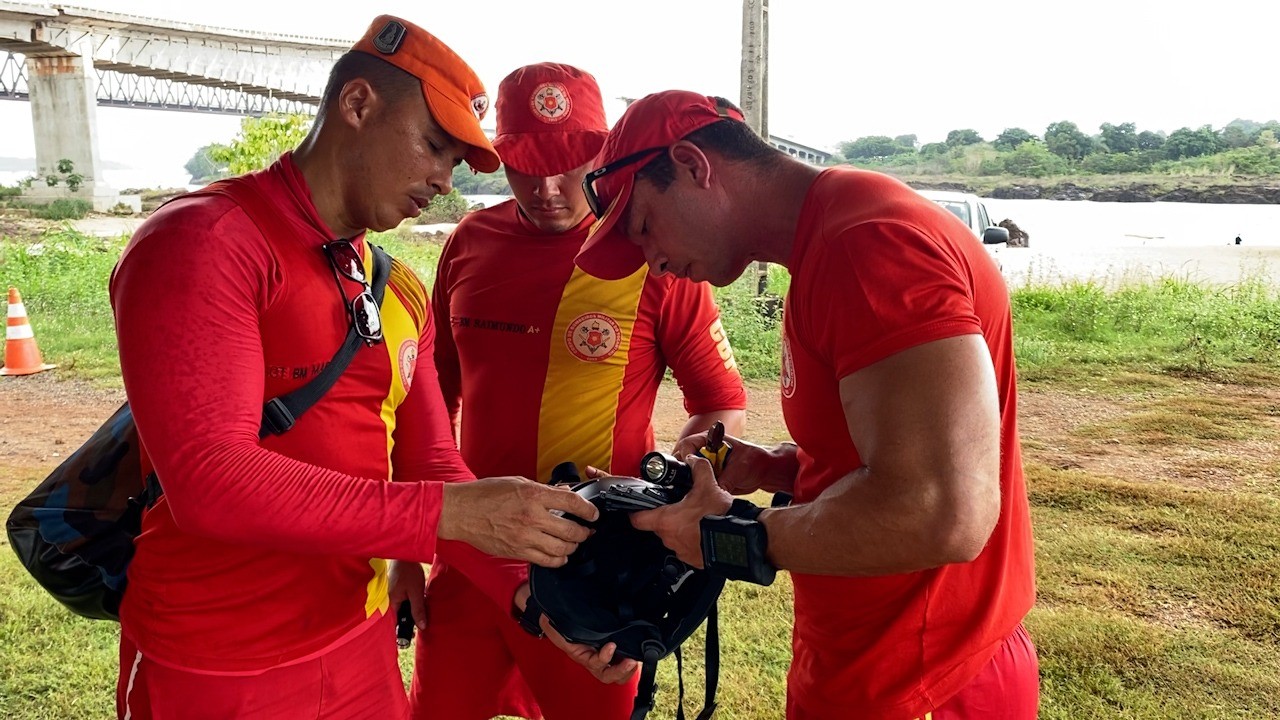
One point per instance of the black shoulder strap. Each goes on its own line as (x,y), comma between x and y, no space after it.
(279,414)
(712,667)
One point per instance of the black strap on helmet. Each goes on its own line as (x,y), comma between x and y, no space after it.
(648,687)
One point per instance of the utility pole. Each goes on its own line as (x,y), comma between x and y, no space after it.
(754,87)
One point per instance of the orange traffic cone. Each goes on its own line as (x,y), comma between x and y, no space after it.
(21,356)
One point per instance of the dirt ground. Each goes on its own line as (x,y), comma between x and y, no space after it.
(43,419)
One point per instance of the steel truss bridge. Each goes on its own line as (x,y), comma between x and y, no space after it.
(166,65)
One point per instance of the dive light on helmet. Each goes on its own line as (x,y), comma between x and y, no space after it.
(662,468)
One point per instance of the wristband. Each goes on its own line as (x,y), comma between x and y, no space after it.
(744,509)
(737,549)
(529,619)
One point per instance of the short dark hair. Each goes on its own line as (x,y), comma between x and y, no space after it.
(732,139)
(387,80)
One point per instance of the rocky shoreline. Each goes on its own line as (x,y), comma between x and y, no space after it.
(1268,194)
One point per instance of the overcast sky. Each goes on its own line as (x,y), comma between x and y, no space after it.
(839,69)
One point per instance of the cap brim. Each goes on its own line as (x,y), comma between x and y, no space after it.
(462,124)
(545,154)
(607,253)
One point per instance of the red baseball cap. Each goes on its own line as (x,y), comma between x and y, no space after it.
(550,119)
(455,96)
(648,127)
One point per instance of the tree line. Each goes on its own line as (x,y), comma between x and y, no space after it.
(1242,147)
(263,139)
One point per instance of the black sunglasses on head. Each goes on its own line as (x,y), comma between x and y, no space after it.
(363,308)
(598,207)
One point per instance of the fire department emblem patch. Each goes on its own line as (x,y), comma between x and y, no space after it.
(551,103)
(408,362)
(788,368)
(480,105)
(593,337)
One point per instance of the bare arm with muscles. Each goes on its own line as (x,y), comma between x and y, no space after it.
(926,424)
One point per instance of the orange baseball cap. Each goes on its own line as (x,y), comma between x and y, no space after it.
(649,126)
(550,119)
(455,96)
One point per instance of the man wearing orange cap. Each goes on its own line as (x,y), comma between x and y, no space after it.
(548,364)
(909,539)
(256,590)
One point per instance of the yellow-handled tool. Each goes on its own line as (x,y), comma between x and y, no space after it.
(716,451)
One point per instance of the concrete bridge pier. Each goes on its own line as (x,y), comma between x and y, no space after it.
(63,94)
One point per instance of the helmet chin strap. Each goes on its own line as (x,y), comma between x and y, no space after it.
(647,689)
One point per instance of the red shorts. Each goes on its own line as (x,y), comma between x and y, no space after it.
(1007,688)
(356,680)
(474,662)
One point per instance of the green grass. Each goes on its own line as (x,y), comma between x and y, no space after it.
(63,280)
(1155,601)
(63,277)
(53,665)
(1169,326)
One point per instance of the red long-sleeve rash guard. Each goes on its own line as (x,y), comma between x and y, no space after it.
(261,551)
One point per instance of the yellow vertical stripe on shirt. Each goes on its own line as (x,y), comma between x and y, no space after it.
(400,341)
(584,376)
(377,598)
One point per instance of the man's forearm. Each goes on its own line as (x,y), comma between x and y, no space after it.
(735,422)
(864,525)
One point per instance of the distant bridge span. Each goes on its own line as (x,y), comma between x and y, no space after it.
(66,60)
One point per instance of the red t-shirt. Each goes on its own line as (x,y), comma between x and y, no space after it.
(877,269)
(550,364)
(264,552)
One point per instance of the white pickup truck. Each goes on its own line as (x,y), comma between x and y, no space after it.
(972,212)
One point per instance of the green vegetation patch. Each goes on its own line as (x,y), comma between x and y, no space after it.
(56,665)
(1171,326)
(1100,664)
(1184,419)
(1171,556)
(754,322)
(63,279)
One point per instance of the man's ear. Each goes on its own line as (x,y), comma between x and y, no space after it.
(356,101)
(690,160)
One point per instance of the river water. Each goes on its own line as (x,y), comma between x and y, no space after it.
(1121,243)
(1116,243)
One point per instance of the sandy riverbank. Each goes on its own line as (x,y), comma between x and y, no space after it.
(1222,265)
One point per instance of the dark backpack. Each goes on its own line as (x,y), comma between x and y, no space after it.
(74,533)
